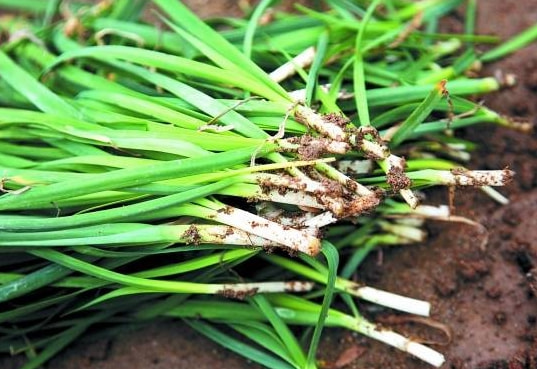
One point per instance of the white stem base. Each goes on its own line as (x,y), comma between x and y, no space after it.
(287,236)
(401,342)
(391,300)
(288,69)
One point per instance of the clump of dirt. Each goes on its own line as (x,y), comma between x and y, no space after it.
(336,119)
(237,294)
(191,235)
(397,179)
(311,148)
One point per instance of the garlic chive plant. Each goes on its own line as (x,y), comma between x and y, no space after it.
(166,171)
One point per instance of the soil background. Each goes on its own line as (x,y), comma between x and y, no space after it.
(484,296)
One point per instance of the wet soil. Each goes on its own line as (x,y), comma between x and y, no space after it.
(485,295)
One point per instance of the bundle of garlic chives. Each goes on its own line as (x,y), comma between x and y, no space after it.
(139,154)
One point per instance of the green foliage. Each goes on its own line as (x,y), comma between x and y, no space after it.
(130,157)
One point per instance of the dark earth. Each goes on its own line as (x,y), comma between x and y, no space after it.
(484,299)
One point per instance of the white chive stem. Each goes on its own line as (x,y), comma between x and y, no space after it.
(301,61)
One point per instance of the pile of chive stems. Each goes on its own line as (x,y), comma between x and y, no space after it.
(233,173)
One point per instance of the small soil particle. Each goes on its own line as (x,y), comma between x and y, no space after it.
(500,318)
(226,210)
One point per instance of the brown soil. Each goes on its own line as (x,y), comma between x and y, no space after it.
(162,345)
(485,296)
